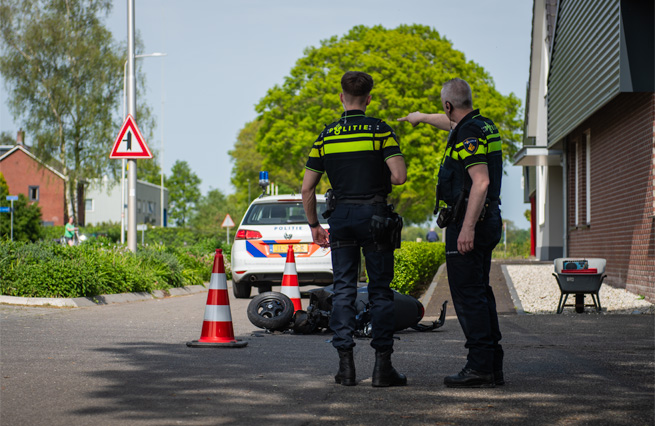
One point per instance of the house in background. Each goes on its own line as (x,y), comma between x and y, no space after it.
(589,140)
(103,203)
(25,174)
(98,201)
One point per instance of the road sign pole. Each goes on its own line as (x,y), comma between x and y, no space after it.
(12,220)
(131,109)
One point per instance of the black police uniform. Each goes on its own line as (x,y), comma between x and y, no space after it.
(475,140)
(353,152)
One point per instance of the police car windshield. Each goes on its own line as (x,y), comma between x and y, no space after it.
(280,213)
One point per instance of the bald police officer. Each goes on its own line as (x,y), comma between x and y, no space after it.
(471,173)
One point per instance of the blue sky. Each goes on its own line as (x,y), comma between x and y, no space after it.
(224,55)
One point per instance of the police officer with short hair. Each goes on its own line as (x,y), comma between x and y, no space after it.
(362,159)
(469,184)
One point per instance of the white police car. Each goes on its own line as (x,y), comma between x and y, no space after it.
(260,247)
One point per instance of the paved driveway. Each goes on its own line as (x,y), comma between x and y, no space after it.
(127,364)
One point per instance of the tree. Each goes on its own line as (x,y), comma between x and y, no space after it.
(65,78)
(409,65)
(27,217)
(149,170)
(7,139)
(183,192)
(211,211)
(247,163)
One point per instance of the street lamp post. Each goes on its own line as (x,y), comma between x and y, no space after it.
(123,201)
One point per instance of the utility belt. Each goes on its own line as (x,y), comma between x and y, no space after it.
(378,199)
(331,201)
(386,225)
(456,212)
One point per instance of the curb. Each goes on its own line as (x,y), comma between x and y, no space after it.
(105,299)
(512,291)
(427,296)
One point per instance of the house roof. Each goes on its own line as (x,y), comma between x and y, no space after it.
(8,150)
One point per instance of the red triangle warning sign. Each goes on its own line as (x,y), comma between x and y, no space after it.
(130,143)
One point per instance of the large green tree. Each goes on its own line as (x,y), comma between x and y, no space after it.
(409,65)
(65,78)
(183,192)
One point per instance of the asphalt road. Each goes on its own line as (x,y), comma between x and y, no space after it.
(128,364)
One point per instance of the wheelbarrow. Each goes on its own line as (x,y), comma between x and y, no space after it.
(579,277)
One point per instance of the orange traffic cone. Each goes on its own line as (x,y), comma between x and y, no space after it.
(217,328)
(290,280)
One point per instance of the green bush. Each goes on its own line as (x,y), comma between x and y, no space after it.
(416,264)
(47,269)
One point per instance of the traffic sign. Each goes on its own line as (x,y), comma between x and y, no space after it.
(227,222)
(12,197)
(5,209)
(130,143)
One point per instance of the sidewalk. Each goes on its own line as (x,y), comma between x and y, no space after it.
(440,291)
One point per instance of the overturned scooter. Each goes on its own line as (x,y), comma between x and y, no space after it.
(273,311)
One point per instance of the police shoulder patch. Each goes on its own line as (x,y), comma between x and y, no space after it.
(470,145)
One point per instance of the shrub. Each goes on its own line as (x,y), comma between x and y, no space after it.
(416,264)
(47,269)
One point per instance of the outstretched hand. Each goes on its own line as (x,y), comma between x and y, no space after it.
(413,118)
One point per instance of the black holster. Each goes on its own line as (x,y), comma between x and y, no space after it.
(330,202)
(386,227)
(450,214)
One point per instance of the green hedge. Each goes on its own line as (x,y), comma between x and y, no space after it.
(416,264)
(47,269)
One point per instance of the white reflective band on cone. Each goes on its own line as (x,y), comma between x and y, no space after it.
(218,282)
(289,269)
(218,313)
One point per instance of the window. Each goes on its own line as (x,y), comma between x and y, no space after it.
(588,175)
(577,183)
(280,213)
(582,176)
(88,204)
(33,193)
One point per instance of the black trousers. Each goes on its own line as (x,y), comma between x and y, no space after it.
(349,225)
(473,298)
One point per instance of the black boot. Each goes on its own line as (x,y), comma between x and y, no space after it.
(346,373)
(469,378)
(384,374)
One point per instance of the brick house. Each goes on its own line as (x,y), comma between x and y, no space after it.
(25,174)
(589,139)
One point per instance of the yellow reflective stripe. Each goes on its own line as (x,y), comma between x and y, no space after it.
(314,170)
(376,145)
(352,136)
(354,146)
(494,135)
(390,142)
(495,146)
(314,153)
(474,164)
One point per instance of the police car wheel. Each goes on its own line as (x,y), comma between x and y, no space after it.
(241,290)
(271,311)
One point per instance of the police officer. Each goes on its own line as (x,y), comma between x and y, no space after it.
(362,159)
(471,173)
